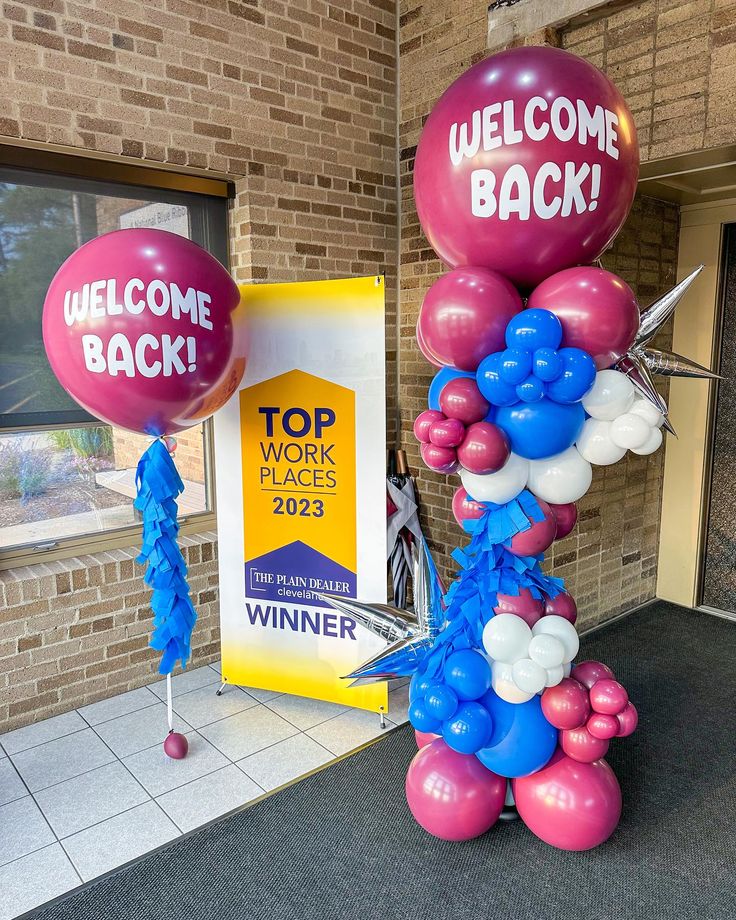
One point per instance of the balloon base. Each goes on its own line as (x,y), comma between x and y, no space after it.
(509,813)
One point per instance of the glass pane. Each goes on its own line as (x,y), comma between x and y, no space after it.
(76,481)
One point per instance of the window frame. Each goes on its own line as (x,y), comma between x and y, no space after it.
(212,232)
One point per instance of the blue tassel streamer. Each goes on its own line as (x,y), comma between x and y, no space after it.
(159,484)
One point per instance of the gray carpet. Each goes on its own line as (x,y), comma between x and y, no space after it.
(341,844)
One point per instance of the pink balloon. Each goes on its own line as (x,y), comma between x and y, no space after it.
(627,721)
(453,796)
(597,309)
(539,537)
(484,449)
(176,746)
(523,605)
(561,605)
(570,805)
(493,176)
(566,705)
(461,399)
(579,744)
(425,351)
(588,672)
(464,315)
(602,727)
(566,517)
(137,326)
(465,508)
(447,432)
(608,696)
(424,738)
(439,459)
(423,422)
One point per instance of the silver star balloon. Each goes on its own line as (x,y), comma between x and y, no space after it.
(656,314)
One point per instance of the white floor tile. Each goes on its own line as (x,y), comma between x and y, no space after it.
(85,800)
(22,830)
(304,712)
(348,731)
(200,707)
(263,696)
(11,785)
(216,666)
(62,759)
(119,705)
(116,841)
(138,730)
(398,705)
(208,797)
(247,732)
(23,738)
(186,681)
(159,773)
(285,761)
(35,879)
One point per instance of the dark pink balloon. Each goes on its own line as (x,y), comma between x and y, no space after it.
(465,508)
(425,351)
(485,448)
(453,796)
(461,399)
(447,432)
(627,721)
(464,315)
(579,744)
(516,115)
(602,727)
(424,738)
(439,459)
(523,605)
(566,705)
(539,537)
(570,805)
(176,746)
(597,309)
(561,605)
(566,517)
(423,422)
(588,672)
(608,696)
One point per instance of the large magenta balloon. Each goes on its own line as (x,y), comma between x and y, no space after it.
(570,805)
(597,309)
(137,326)
(453,796)
(538,537)
(523,605)
(464,315)
(527,165)
(464,508)
(484,449)
(566,517)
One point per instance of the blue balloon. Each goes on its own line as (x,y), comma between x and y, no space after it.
(488,377)
(531,390)
(515,365)
(547,364)
(468,673)
(469,729)
(522,740)
(444,375)
(578,374)
(421,719)
(418,686)
(440,701)
(534,329)
(541,429)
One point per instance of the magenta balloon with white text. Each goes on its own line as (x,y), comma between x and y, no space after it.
(527,165)
(137,326)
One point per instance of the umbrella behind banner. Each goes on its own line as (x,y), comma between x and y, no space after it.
(403,525)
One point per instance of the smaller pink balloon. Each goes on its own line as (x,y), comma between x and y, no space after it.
(523,605)
(424,738)
(566,705)
(465,508)
(539,537)
(424,421)
(461,399)
(608,696)
(588,672)
(447,432)
(176,746)
(439,459)
(602,727)
(561,605)
(484,449)
(579,744)
(566,517)
(627,721)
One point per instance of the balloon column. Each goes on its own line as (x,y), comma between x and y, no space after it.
(137,326)
(525,171)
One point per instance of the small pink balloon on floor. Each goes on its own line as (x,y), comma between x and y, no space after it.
(523,605)
(561,605)
(538,537)
(570,805)
(566,517)
(465,508)
(176,746)
(453,796)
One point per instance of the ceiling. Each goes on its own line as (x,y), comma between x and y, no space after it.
(693,178)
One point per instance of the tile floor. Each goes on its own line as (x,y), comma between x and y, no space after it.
(87,791)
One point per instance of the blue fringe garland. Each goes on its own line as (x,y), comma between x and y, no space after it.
(158,484)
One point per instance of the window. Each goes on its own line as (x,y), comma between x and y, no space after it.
(67,481)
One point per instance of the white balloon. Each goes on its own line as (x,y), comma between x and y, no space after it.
(611,395)
(564,478)
(547,651)
(506,637)
(561,629)
(529,676)
(629,431)
(502,681)
(555,675)
(653,442)
(648,411)
(499,487)
(595,445)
